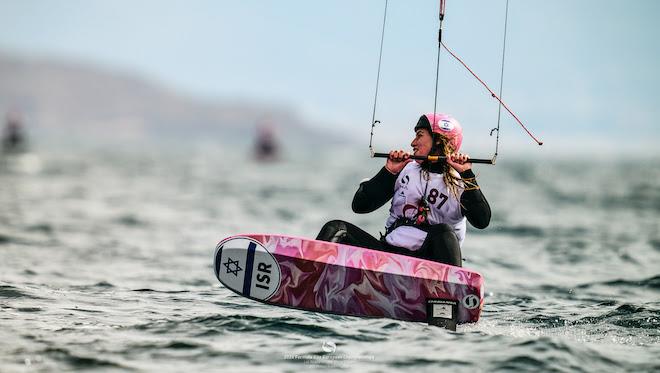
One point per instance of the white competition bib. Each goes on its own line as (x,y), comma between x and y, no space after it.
(408,193)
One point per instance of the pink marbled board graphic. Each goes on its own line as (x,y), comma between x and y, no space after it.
(348,280)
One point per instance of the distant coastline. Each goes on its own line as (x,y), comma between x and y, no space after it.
(65,98)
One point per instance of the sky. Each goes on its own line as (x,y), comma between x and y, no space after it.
(581,74)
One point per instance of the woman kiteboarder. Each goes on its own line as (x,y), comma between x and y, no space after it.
(431,201)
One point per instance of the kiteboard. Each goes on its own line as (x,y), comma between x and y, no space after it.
(334,278)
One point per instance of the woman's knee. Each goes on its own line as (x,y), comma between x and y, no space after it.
(333,231)
(334,225)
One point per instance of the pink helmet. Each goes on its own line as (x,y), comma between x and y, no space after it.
(444,125)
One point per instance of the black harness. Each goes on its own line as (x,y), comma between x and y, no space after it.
(408,222)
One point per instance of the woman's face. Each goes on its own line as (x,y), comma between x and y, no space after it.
(422,143)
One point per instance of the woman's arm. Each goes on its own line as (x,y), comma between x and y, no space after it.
(473,203)
(374,193)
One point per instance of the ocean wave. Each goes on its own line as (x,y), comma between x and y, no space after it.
(627,316)
(521,231)
(651,283)
(5,239)
(147,290)
(7,291)
(96,286)
(81,361)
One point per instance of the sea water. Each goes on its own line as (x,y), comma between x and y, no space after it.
(106,264)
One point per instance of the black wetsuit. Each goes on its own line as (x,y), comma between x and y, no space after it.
(441,243)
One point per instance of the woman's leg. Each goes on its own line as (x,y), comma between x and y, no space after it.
(340,231)
(441,245)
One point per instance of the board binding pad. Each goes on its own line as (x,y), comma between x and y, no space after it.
(347,280)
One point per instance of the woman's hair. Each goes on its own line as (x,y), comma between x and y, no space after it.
(451,177)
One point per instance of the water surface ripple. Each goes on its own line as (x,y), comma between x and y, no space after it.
(106,264)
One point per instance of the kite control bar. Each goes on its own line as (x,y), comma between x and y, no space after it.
(435,158)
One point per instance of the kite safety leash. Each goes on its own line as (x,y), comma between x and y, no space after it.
(492,94)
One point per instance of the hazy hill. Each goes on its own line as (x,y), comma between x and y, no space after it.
(59,97)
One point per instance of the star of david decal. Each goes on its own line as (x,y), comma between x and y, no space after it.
(236,269)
